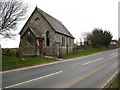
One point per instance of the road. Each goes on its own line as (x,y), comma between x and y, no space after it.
(92,71)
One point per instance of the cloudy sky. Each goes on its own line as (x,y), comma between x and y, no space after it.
(78,16)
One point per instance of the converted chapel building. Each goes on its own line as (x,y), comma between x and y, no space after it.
(42,34)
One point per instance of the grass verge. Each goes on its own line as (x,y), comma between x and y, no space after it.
(13,62)
(115,83)
(86,52)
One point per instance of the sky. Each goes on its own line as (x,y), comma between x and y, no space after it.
(78,16)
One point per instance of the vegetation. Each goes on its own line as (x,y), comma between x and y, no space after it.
(99,38)
(118,43)
(13,62)
(87,50)
(115,84)
(10,52)
(11,12)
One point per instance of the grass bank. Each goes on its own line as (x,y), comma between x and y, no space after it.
(115,84)
(86,51)
(13,62)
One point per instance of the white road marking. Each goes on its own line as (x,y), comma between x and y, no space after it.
(110,79)
(92,61)
(34,79)
(113,54)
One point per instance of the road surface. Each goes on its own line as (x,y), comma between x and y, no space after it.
(92,71)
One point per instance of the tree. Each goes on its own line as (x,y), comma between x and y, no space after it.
(99,37)
(11,12)
(85,36)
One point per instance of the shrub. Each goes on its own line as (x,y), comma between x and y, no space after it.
(9,51)
(100,37)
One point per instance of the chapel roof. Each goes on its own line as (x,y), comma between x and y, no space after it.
(56,24)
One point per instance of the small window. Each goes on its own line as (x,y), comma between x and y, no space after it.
(28,32)
(29,40)
(36,19)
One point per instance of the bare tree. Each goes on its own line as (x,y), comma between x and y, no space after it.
(11,12)
(80,39)
(85,36)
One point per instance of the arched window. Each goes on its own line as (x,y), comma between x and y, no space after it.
(63,41)
(47,38)
(29,40)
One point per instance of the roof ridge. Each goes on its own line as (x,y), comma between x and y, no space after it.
(35,32)
(55,23)
(48,14)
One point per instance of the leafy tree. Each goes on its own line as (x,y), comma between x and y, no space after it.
(11,12)
(99,37)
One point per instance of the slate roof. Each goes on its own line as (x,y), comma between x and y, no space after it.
(35,32)
(56,24)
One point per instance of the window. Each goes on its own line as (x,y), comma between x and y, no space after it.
(69,42)
(36,19)
(63,41)
(47,38)
(28,32)
(29,40)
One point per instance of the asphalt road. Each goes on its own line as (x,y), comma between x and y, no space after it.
(93,71)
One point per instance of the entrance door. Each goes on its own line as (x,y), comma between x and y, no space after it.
(40,46)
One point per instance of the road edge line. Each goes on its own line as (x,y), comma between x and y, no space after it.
(110,79)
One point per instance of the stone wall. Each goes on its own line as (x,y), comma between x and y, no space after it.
(28,47)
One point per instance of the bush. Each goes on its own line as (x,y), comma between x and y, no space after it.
(118,44)
(9,52)
(100,37)
(86,46)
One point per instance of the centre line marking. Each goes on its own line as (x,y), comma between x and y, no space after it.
(34,79)
(92,61)
(114,54)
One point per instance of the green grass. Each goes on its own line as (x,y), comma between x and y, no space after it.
(13,62)
(115,83)
(84,52)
